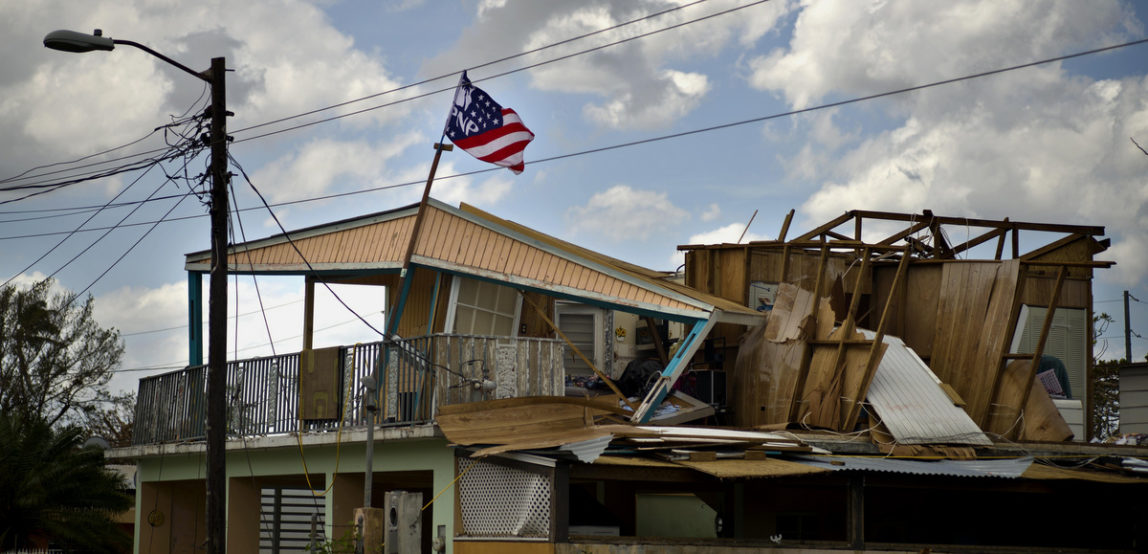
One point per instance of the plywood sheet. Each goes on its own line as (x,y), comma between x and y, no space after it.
(511,420)
(319,383)
(769,361)
(976,303)
(913,315)
(1039,421)
(835,382)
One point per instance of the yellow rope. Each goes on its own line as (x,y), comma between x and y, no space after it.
(338,435)
(449,485)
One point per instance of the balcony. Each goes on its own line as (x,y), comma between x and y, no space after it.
(418,376)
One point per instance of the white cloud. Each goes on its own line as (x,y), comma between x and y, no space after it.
(713,211)
(286,55)
(323,165)
(487,193)
(854,47)
(626,214)
(640,84)
(1041,144)
(727,234)
(161,315)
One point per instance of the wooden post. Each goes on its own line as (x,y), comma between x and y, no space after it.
(605,378)
(1033,367)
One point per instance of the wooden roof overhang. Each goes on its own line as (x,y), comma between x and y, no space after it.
(467,241)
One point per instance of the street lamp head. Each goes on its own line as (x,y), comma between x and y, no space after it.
(71,41)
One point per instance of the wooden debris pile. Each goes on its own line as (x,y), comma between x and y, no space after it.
(587,427)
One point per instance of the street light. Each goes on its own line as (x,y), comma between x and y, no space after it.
(71,41)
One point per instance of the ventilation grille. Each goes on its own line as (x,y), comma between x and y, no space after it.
(499,501)
(285,520)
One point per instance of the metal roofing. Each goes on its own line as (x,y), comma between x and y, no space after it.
(909,400)
(1010,468)
(468,241)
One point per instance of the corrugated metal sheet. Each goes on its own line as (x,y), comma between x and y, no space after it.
(588,450)
(769,467)
(908,399)
(1008,468)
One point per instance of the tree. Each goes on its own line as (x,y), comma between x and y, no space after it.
(55,360)
(54,491)
(1105,399)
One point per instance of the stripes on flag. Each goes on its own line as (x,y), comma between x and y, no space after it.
(485,129)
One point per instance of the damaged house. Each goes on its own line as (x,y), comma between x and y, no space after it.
(830,391)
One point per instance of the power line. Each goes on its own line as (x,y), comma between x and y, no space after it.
(503,74)
(506,58)
(474,80)
(482,65)
(237,316)
(652,139)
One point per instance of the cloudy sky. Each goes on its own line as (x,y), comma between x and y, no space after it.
(1048,143)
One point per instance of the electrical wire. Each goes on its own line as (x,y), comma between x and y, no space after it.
(649,140)
(502,74)
(375,95)
(310,269)
(479,66)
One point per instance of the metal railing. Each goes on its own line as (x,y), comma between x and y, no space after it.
(420,375)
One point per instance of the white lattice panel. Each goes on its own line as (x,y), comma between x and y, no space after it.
(499,501)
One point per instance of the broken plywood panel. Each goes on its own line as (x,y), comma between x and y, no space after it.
(973,319)
(1039,421)
(769,361)
(837,374)
(512,420)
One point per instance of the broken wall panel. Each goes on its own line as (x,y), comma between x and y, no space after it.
(973,319)
(800,267)
(769,361)
(835,381)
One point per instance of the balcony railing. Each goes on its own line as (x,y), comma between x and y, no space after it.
(418,376)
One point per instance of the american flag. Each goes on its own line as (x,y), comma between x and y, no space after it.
(485,129)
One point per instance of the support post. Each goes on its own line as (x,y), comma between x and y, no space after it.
(194,318)
(217,319)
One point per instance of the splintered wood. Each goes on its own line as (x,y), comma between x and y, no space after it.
(839,374)
(774,379)
(769,360)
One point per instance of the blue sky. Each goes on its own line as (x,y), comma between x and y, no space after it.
(1048,144)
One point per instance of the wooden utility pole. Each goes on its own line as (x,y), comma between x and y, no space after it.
(217,319)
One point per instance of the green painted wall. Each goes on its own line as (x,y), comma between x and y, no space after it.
(322,463)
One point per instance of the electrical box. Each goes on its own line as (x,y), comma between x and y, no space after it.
(402,515)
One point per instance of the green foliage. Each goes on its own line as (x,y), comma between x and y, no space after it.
(52,489)
(1105,398)
(55,360)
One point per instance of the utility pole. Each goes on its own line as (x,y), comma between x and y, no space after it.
(71,41)
(1127,331)
(217,319)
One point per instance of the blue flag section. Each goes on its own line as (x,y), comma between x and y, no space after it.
(485,129)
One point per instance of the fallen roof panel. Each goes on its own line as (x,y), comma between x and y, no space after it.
(911,403)
(1010,468)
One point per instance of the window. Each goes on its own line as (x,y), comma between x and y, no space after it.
(483,308)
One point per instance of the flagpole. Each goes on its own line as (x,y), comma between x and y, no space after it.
(396,311)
